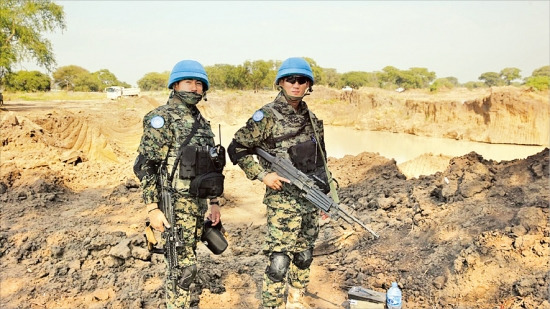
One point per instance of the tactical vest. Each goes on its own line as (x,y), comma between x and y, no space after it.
(294,139)
(199,162)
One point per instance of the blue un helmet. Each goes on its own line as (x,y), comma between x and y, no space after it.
(188,69)
(293,66)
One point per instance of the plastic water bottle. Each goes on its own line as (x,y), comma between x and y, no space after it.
(393,297)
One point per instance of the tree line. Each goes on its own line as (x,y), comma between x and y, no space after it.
(23,23)
(260,75)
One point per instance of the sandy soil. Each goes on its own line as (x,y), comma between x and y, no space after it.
(468,233)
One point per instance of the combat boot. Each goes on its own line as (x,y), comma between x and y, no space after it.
(295,298)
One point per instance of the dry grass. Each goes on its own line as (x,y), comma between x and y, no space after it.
(52,96)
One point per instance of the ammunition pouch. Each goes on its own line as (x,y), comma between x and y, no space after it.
(203,165)
(212,237)
(307,158)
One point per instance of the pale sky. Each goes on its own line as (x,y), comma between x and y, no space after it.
(451,38)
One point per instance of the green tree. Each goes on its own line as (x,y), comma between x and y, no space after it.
(67,76)
(509,74)
(422,77)
(260,73)
(539,82)
(22,25)
(105,79)
(540,79)
(86,81)
(491,79)
(473,85)
(217,75)
(28,81)
(154,81)
(236,77)
(453,80)
(357,79)
(389,77)
(443,83)
(332,78)
(542,71)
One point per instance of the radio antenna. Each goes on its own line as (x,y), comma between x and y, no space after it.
(220,132)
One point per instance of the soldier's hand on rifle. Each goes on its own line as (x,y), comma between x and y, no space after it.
(274,181)
(215,214)
(157,220)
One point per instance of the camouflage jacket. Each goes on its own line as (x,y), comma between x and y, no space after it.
(164,130)
(273,128)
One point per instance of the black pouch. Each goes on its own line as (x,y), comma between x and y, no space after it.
(188,162)
(305,156)
(207,185)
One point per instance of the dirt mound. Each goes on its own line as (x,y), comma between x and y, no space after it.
(473,233)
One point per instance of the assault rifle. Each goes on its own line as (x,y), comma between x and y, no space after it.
(284,168)
(171,234)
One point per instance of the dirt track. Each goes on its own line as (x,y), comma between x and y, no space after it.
(472,234)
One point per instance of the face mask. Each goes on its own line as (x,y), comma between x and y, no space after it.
(289,97)
(187,97)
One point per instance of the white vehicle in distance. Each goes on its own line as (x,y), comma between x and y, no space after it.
(116,92)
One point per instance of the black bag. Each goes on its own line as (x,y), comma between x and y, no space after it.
(207,185)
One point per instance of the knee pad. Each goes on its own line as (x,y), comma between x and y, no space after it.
(187,275)
(278,266)
(303,259)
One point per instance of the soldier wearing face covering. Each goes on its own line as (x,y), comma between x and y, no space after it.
(285,128)
(170,133)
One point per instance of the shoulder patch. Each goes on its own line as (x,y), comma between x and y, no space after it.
(258,115)
(157,122)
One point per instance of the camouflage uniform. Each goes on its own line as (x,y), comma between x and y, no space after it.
(160,144)
(292,221)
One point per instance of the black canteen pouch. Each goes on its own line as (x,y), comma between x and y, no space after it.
(213,238)
(207,185)
(307,158)
(203,165)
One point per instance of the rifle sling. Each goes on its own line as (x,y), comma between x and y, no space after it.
(333,192)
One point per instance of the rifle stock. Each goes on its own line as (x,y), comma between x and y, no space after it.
(284,168)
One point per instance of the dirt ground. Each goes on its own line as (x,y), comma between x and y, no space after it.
(462,232)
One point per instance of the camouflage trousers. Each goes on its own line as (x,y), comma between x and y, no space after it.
(292,227)
(190,226)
